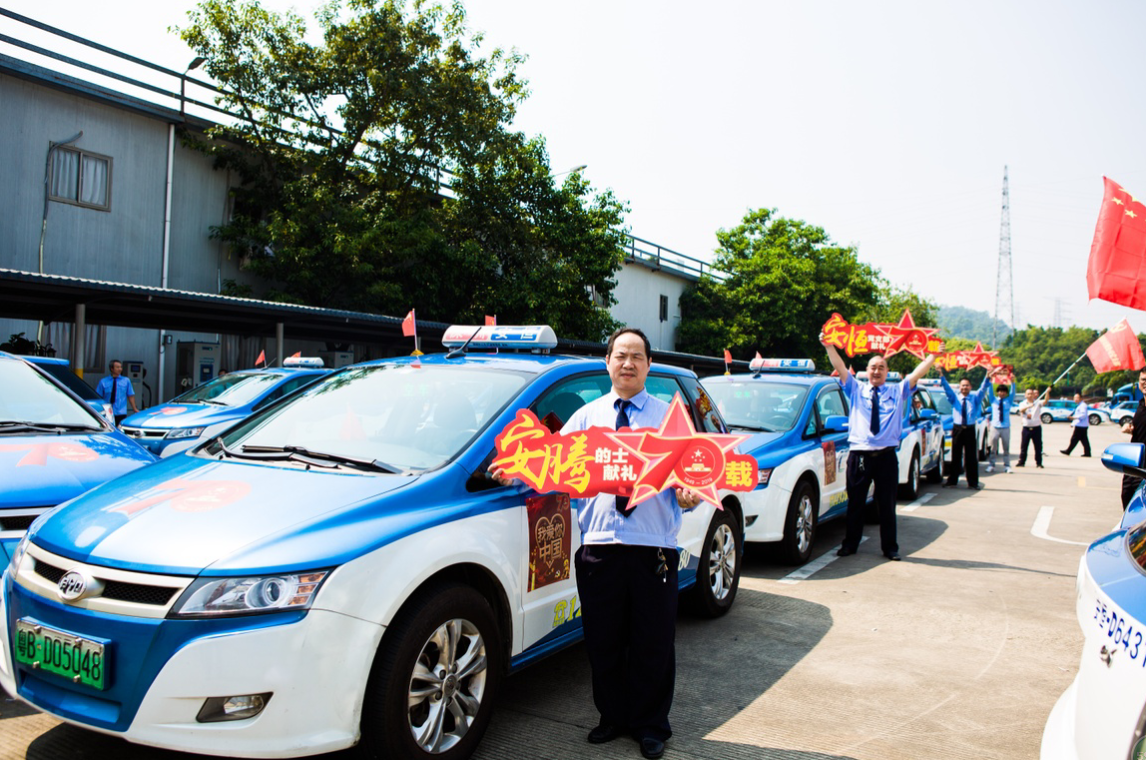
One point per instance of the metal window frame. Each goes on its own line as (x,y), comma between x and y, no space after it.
(81,154)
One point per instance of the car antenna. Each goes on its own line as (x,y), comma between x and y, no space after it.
(461,350)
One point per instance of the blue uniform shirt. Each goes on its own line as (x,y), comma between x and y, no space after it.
(123,390)
(1001,409)
(892,410)
(655,522)
(1081,415)
(974,401)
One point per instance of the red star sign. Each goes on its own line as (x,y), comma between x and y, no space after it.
(907,336)
(673,455)
(980,357)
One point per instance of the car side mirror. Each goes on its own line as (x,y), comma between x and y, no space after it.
(836,423)
(1126,458)
(927,414)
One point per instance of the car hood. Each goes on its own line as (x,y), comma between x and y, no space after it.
(45,470)
(170,416)
(188,515)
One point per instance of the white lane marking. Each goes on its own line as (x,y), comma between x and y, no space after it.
(806,571)
(919,502)
(1042,524)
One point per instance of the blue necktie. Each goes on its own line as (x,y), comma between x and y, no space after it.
(964,413)
(622,421)
(875,410)
(999,413)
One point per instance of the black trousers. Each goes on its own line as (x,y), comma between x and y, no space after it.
(964,447)
(1032,435)
(628,613)
(1080,435)
(864,468)
(1130,484)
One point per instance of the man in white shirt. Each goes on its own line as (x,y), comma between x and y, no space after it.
(1081,434)
(1031,414)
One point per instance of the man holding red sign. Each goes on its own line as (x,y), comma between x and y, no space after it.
(875,424)
(627,567)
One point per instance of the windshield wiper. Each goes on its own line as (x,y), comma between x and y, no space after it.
(14,426)
(212,402)
(301,453)
(738,426)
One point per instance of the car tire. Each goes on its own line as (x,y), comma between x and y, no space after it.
(800,525)
(1095,419)
(718,569)
(1125,420)
(935,474)
(984,448)
(446,639)
(909,491)
(1046,418)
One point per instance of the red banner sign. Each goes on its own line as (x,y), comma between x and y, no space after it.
(977,357)
(638,464)
(886,339)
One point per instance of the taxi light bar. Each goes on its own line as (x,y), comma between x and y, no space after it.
(892,377)
(782,365)
(309,362)
(500,336)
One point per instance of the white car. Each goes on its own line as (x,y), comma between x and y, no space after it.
(1101,713)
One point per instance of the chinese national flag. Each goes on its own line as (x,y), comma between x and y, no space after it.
(491,321)
(262,358)
(1117,268)
(727,356)
(408,328)
(1117,349)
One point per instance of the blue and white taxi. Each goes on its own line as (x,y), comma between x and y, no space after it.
(798,420)
(202,413)
(53,447)
(337,569)
(1102,714)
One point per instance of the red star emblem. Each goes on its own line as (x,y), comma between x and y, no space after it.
(907,336)
(676,455)
(980,357)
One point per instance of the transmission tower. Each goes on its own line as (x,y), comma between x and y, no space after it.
(1004,290)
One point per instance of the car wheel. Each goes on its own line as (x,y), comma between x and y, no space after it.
(800,525)
(718,571)
(1125,420)
(910,490)
(935,474)
(983,448)
(1046,418)
(435,678)
(1095,419)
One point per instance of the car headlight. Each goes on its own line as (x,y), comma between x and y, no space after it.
(194,432)
(210,597)
(763,475)
(17,555)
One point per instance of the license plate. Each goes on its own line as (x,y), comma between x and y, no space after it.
(73,657)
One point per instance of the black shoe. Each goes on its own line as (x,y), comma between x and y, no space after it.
(652,748)
(893,556)
(1084,456)
(606,732)
(1020,464)
(1040,466)
(845,552)
(950,485)
(977,486)
(1064,451)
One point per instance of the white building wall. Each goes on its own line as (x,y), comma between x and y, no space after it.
(638,293)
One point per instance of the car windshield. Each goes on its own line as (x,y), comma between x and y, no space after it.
(29,397)
(233,389)
(759,405)
(71,380)
(404,416)
(942,403)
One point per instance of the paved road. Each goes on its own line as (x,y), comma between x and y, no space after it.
(957,652)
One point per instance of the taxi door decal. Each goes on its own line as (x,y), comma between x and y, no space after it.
(550,525)
(829,448)
(38,453)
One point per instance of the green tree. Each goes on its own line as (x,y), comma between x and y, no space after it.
(377,169)
(785,278)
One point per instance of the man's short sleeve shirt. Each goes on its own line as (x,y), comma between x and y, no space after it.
(892,400)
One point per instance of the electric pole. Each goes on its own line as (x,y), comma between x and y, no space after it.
(1004,290)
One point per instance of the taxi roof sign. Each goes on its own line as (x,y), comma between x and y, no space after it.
(535,337)
(782,365)
(307,362)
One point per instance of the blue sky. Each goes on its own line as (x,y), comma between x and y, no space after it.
(886,123)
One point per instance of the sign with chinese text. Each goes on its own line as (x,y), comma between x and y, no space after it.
(976,357)
(638,464)
(886,339)
(550,523)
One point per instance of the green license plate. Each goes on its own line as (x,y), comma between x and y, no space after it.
(73,657)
